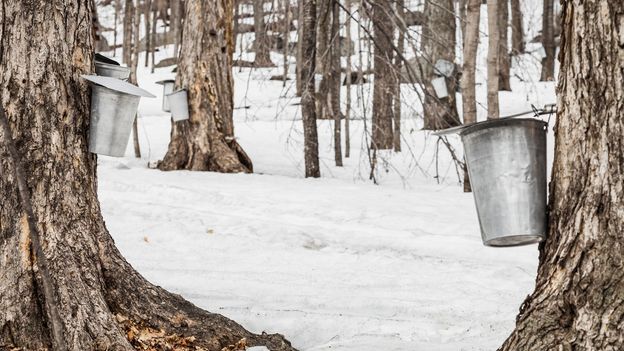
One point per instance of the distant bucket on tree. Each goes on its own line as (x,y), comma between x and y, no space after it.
(439,86)
(178,102)
(506,161)
(114,104)
(168,86)
(110,70)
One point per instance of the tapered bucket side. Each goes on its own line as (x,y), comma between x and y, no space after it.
(506,161)
(110,70)
(112,115)
(178,102)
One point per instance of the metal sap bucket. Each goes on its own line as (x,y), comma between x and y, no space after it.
(178,101)
(444,68)
(439,86)
(506,160)
(114,104)
(168,86)
(110,70)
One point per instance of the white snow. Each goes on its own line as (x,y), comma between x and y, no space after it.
(336,263)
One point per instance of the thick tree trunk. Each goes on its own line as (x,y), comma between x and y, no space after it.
(439,30)
(517,28)
(468,79)
(308,100)
(548,41)
(262,45)
(492,60)
(578,303)
(504,59)
(385,76)
(44,48)
(206,141)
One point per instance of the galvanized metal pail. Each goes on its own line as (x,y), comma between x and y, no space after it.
(110,70)
(506,161)
(114,104)
(178,102)
(168,86)
(444,68)
(439,86)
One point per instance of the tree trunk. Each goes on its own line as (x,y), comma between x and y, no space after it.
(286,41)
(133,75)
(147,8)
(517,28)
(398,64)
(300,82)
(548,41)
(308,103)
(579,295)
(492,60)
(334,81)
(206,141)
(115,21)
(504,59)
(468,79)
(439,30)
(385,77)
(128,28)
(261,42)
(99,296)
(153,39)
(347,130)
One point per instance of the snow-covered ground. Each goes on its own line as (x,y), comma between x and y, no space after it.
(336,263)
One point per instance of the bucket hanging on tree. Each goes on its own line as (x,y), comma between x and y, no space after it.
(506,161)
(178,102)
(114,104)
(168,86)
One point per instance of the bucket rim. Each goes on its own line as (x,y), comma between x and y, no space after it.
(118,85)
(164,81)
(99,58)
(112,66)
(177,92)
(491,123)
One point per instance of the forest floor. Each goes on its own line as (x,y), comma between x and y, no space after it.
(336,263)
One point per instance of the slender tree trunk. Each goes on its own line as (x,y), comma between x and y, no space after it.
(334,91)
(174,25)
(308,103)
(578,302)
(492,60)
(153,36)
(300,82)
(384,83)
(548,41)
(324,59)
(133,75)
(347,130)
(517,28)
(115,21)
(398,64)
(128,28)
(99,296)
(504,59)
(261,42)
(439,30)
(468,81)
(286,41)
(147,7)
(206,141)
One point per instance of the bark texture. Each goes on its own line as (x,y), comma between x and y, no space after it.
(385,76)
(308,100)
(504,59)
(439,43)
(334,82)
(398,64)
(44,48)
(578,303)
(262,45)
(517,28)
(206,141)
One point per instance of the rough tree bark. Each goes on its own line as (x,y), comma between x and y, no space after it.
(308,100)
(261,42)
(468,79)
(45,46)
(128,28)
(504,59)
(578,302)
(385,77)
(492,60)
(517,28)
(439,43)
(398,64)
(206,141)
(548,41)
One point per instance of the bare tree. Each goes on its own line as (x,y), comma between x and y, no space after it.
(308,103)
(385,77)
(517,28)
(504,58)
(128,28)
(334,81)
(579,292)
(261,42)
(492,59)
(439,44)
(136,25)
(347,130)
(468,84)
(206,141)
(548,41)
(49,186)
(398,64)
